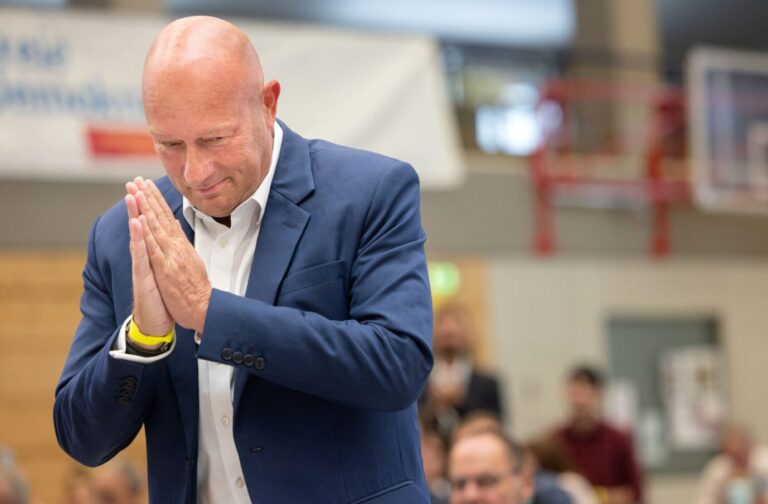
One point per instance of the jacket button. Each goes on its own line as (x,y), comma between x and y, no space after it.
(125,401)
(248,360)
(260,363)
(237,357)
(226,354)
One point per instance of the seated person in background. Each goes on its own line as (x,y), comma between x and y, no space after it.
(78,488)
(486,467)
(478,421)
(13,489)
(546,489)
(433,453)
(117,482)
(550,458)
(602,453)
(455,387)
(738,474)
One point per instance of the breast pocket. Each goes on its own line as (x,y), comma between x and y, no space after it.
(320,289)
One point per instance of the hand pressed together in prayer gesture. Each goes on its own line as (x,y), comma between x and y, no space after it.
(170,281)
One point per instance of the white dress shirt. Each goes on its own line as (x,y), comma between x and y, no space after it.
(227,253)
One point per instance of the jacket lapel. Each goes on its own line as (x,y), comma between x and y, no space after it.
(282,226)
(284,221)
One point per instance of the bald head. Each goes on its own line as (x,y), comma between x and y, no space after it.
(209,112)
(202,48)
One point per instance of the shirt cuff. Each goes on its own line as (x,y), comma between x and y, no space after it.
(119,349)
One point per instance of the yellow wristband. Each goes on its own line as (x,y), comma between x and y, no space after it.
(138,337)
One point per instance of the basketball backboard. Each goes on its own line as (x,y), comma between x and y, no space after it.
(728,117)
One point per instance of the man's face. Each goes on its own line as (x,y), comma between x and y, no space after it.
(213,138)
(583,399)
(451,335)
(736,445)
(481,472)
(109,488)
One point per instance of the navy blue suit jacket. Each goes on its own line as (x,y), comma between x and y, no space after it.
(330,345)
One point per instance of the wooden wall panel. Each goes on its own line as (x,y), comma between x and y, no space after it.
(39,311)
(473,294)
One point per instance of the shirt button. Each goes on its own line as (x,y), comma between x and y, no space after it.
(225,420)
(223,242)
(239,482)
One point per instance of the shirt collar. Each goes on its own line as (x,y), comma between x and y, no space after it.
(257,202)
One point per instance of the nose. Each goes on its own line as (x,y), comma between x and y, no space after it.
(198,167)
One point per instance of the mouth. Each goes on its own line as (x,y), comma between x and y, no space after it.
(210,191)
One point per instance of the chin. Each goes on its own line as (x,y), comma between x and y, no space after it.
(212,207)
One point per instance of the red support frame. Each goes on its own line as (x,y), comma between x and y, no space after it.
(654,186)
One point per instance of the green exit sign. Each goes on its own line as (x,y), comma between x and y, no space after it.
(444,277)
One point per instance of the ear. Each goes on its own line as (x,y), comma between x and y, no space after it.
(526,485)
(269,98)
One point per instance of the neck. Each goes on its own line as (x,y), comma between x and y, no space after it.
(584,423)
(226,220)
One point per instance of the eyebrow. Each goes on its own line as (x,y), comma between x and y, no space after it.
(214,131)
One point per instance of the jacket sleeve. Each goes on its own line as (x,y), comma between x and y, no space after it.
(381,356)
(100,401)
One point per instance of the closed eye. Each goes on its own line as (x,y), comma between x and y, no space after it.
(172,143)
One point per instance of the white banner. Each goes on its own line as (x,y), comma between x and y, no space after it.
(70,102)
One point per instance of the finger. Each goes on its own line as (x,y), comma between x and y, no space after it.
(154,250)
(161,201)
(161,236)
(134,227)
(164,225)
(159,206)
(139,260)
(131,188)
(132,206)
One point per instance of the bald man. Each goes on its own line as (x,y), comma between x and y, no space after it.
(486,467)
(263,311)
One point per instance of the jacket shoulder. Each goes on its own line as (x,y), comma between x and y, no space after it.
(337,161)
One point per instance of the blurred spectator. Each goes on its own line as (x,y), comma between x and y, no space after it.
(434,455)
(78,487)
(739,474)
(546,489)
(486,467)
(117,482)
(455,387)
(13,490)
(550,457)
(602,453)
(478,421)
